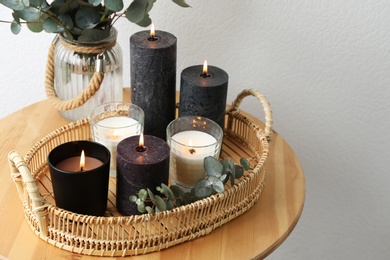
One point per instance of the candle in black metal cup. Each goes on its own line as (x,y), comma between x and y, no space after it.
(82,189)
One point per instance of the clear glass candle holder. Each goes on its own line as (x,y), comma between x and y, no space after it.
(191,139)
(113,122)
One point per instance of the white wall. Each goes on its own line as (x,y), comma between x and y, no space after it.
(325,67)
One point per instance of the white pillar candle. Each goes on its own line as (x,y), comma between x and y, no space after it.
(188,150)
(111,130)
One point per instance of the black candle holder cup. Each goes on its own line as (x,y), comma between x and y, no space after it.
(80,192)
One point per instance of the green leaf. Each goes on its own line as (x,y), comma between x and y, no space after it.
(145,22)
(160,203)
(38,3)
(15,27)
(35,27)
(136,11)
(181,3)
(217,184)
(239,171)
(13,4)
(133,198)
(203,188)
(94,2)
(245,163)
(87,17)
(29,14)
(167,192)
(177,191)
(93,35)
(212,166)
(151,195)
(141,207)
(142,194)
(149,209)
(26,2)
(169,205)
(66,20)
(50,26)
(114,5)
(224,178)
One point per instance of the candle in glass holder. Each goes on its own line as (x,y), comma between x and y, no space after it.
(141,164)
(203,92)
(112,122)
(80,184)
(191,139)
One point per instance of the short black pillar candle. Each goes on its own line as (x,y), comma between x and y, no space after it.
(84,192)
(153,79)
(204,94)
(139,167)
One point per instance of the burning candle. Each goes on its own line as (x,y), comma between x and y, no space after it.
(142,162)
(203,92)
(112,122)
(80,184)
(153,78)
(191,139)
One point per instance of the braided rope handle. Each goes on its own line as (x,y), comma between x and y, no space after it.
(80,99)
(25,182)
(264,102)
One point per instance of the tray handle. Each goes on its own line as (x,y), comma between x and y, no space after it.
(264,102)
(25,183)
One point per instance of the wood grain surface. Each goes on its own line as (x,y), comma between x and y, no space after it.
(254,235)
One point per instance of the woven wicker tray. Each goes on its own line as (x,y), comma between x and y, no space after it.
(116,235)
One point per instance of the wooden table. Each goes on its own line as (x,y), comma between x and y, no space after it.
(255,234)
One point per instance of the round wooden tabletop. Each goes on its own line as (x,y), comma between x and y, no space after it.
(253,235)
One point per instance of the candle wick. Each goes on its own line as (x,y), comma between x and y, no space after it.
(81,169)
(192,151)
(205,75)
(140,149)
(152,38)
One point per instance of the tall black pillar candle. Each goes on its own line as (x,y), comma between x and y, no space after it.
(203,92)
(139,167)
(153,79)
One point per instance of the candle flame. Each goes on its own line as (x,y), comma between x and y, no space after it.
(82,161)
(205,69)
(152,31)
(191,150)
(141,140)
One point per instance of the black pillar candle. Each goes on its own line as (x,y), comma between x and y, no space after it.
(139,167)
(82,191)
(153,79)
(203,92)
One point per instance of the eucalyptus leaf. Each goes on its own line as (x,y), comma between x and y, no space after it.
(15,27)
(133,198)
(93,35)
(66,20)
(114,5)
(160,203)
(94,2)
(136,11)
(203,188)
(142,194)
(238,171)
(224,178)
(177,191)
(49,25)
(181,3)
(38,3)
(146,21)
(29,14)
(217,184)
(167,192)
(169,205)
(16,18)
(212,166)
(151,195)
(87,17)
(245,163)
(13,4)
(35,27)
(141,207)
(149,209)
(26,2)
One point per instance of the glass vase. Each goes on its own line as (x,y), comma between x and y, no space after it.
(74,69)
